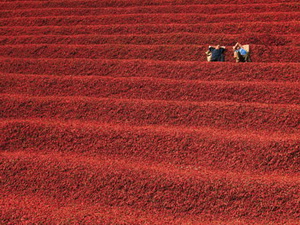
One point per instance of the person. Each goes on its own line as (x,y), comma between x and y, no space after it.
(216,53)
(241,53)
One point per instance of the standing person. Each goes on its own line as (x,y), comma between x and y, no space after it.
(241,53)
(217,53)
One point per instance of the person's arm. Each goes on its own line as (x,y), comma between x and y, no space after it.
(237,45)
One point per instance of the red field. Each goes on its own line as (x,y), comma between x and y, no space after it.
(110,113)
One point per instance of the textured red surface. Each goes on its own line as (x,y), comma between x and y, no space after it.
(160,18)
(284,27)
(110,113)
(212,8)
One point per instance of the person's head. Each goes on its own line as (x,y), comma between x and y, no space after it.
(218,47)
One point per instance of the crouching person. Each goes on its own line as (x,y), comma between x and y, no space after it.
(216,53)
(241,53)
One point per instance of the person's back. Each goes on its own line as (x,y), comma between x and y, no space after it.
(217,53)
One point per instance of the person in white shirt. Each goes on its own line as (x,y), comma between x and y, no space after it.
(240,53)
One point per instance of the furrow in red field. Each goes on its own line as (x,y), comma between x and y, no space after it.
(18,208)
(151,186)
(150,19)
(287,27)
(230,149)
(156,69)
(124,3)
(203,9)
(153,89)
(259,53)
(155,39)
(142,113)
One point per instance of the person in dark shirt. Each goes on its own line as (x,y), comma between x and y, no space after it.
(217,53)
